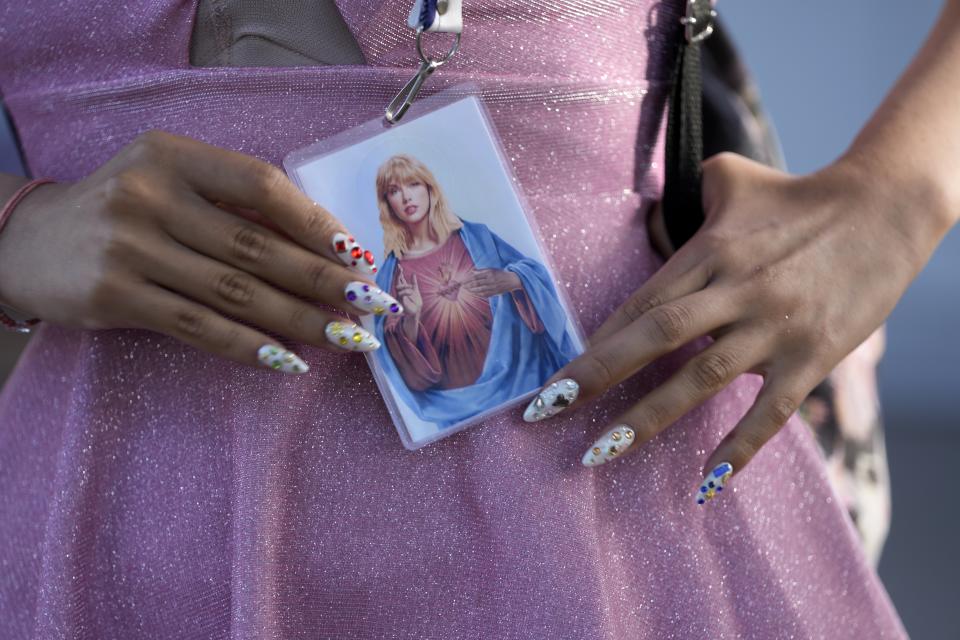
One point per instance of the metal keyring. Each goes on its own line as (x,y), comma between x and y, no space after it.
(399,105)
(423,58)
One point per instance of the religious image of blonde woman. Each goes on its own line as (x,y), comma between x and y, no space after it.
(482,322)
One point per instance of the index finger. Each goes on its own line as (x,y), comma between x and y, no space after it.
(244,181)
(676,278)
(620,355)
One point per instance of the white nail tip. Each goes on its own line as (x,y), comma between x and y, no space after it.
(714,482)
(351,337)
(280,359)
(551,400)
(370,299)
(352,254)
(609,446)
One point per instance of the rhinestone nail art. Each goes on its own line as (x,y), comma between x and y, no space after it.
(714,482)
(551,400)
(610,445)
(370,299)
(353,255)
(280,359)
(351,337)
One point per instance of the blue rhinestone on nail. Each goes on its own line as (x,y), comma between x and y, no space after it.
(722,469)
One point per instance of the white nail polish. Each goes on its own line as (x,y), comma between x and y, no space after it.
(552,399)
(351,337)
(280,359)
(351,254)
(714,482)
(370,299)
(610,445)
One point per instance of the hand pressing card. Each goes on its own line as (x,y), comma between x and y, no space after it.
(483,325)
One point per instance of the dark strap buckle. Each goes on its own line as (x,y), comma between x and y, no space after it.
(698,21)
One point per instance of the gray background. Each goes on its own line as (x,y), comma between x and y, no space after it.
(822,68)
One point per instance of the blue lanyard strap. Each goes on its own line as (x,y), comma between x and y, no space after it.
(428,13)
(445,16)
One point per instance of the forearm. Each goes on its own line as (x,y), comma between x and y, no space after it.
(410,325)
(911,144)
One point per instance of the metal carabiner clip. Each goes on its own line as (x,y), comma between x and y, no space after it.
(691,20)
(399,105)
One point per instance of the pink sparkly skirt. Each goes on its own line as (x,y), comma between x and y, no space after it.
(148,489)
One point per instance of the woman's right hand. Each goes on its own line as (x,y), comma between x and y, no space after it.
(140,244)
(409,294)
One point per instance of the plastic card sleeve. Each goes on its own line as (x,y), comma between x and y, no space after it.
(485,323)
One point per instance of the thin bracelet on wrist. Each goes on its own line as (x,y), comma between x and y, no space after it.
(20,326)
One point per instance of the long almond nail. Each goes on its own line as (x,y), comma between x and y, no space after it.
(714,482)
(353,255)
(610,445)
(370,299)
(552,399)
(280,359)
(351,337)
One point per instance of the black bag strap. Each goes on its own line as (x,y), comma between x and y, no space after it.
(682,202)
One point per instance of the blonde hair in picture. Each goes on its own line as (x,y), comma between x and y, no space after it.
(441,222)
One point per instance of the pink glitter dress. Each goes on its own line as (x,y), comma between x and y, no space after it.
(149,490)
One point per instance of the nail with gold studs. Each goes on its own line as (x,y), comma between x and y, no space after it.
(350,337)
(279,359)
(610,445)
(552,399)
(714,482)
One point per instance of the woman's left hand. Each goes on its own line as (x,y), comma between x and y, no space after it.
(788,275)
(487,283)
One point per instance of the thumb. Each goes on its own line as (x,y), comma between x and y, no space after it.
(657,230)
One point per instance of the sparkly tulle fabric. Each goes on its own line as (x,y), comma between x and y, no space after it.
(149,490)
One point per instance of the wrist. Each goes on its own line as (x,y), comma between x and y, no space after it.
(410,325)
(916,206)
(924,198)
(11,209)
